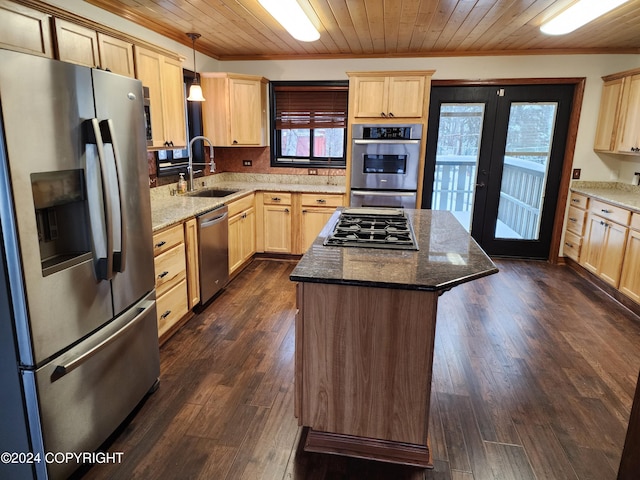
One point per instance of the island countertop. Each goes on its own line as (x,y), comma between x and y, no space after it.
(447,256)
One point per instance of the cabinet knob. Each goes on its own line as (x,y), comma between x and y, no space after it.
(286,210)
(382,114)
(166,314)
(159,244)
(235,142)
(321,200)
(573,219)
(604,210)
(575,200)
(163,274)
(570,245)
(275,199)
(391,114)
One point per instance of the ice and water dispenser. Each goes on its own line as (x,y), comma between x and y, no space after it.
(62,219)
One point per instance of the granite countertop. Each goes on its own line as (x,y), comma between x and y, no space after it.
(167,210)
(620,194)
(447,256)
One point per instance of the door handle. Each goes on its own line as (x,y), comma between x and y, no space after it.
(109,136)
(480,185)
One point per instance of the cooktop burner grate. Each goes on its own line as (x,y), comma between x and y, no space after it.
(373,228)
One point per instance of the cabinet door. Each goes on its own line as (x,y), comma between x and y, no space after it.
(608,116)
(25,30)
(193,267)
(406,97)
(116,55)
(245,111)
(593,243)
(313,219)
(613,253)
(277,229)
(370,96)
(235,242)
(175,129)
(629,140)
(249,234)
(148,71)
(76,44)
(630,279)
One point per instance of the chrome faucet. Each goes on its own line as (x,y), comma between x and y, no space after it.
(191,164)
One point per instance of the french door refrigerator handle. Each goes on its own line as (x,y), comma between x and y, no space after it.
(382,193)
(104,266)
(61,370)
(109,136)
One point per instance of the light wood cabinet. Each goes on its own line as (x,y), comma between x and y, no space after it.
(163,76)
(192,264)
(76,44)
(25,30)
(605,240)
(316,209)
(630,277)
(171,277)
(116,55)
(608,116)
(575,225)
(277,216)
(242,231)
(618,129)
(235,113)
(384,95)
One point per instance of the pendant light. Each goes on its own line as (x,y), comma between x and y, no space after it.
(195,90)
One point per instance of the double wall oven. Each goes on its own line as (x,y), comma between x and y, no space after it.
(385,164)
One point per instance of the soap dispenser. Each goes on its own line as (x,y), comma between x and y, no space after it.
(182,184)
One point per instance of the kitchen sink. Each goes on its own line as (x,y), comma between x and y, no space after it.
(211,193)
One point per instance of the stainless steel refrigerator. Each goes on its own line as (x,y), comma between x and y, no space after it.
(78,328)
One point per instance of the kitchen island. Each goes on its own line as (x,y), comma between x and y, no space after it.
(365,333)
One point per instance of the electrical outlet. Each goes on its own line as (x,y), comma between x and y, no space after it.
(247,163)
(576,173)
(313,171)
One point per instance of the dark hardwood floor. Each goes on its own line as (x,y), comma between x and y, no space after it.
(534,376)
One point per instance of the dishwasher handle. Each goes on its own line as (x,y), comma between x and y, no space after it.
(209,222)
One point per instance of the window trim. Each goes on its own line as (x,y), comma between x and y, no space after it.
(276,145)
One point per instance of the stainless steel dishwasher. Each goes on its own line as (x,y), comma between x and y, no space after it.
(213,249)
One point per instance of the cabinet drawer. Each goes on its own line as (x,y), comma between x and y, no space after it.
(170,268)
(171,306)
(241,205)
(575,221)
(578,200)
(276,198)
(635,221)
(164,240)
(321,200)
(572,245)
(615,214)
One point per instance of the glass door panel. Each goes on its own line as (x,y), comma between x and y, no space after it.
(457,154)
(524,169)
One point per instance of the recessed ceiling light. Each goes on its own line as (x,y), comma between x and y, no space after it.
(291,16)
(579,14)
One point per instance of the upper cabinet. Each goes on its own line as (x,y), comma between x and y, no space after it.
(163,76)
(116,55)
(389,95)
(235,110)
(618,128)
(76,44)
(25,30)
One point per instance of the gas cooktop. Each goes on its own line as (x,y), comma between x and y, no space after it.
(373,228)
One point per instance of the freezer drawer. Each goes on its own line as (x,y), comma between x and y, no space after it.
(88,391)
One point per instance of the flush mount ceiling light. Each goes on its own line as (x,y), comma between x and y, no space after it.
(579,14)
(291,16)
(195,90)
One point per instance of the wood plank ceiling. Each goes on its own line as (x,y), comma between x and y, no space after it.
(243,30)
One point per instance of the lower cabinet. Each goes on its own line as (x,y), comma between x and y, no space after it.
(316,209)
(630,278)
(277,215)
(242,231)
(176,269)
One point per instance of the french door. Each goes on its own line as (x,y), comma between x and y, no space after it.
(494,159)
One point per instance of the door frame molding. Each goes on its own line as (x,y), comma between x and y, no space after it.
(569,151)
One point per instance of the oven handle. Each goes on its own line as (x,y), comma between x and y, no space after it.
(382,193)
(385,142)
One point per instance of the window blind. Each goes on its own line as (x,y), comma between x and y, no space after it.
(310,106)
